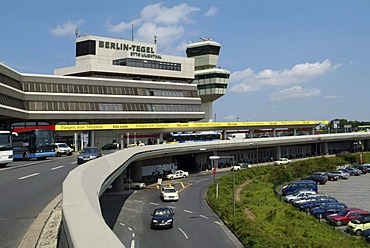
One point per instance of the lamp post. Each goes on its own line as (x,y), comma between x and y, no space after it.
(232,157)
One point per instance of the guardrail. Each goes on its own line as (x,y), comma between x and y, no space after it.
(82,222)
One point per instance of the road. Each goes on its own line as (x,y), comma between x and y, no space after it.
(195,224)
(26,187)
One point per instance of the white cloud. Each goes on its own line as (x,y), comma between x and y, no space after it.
(294,92)
(212,11)
(248,80)
(168,24)
(231,117)
(333,97)
(67,28)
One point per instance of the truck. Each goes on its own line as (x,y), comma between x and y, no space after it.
(177,174)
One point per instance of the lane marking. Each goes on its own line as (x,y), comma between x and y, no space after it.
(219,223)
(122,224)
(31,175)
(188,211)
(129,228)
(75,162)
(132,243)
(153,203)
(186,236)
(58,167)
(205,217)
(138,201)
(133,235)
(205,179)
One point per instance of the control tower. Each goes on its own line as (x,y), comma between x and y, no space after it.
(211,81)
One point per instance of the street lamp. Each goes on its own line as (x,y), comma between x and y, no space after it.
(232,157)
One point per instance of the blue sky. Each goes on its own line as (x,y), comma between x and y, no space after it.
(289,60)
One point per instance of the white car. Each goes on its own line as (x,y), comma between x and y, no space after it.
(129,184)
(177,174)
(169,194)
(62,149)
(299,195)
(282,161)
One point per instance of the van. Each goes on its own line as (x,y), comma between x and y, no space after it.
(62,149)
(304,185)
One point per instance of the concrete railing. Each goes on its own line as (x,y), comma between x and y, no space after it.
(82,222)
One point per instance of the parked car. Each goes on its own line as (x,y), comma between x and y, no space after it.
(177,174)
(293,186)
(297,202)
(299,194)
(129,184)
(327,209)
(169,194)
(162,218)
(109,146)
(306,207)
(318,177)
(362,168)
(282,161)
(366,235)
(240,166)
(62,149)
(358,225)
(341,174)
(344,216)
(331,176)
(351,171)
(87,154)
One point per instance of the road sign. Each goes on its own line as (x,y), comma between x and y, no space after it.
(214,171)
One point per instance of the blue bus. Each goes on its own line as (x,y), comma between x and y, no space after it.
(174,138)
(34,144)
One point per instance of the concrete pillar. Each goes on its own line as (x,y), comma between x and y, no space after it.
(82,138)
(294,131)
(92,138)
(313,131)
(274,132)
(324,148)
(75,141)
(117,185)
(135,171)
(122,140)
(251,132)
(160,138)
(276,152)
(127,138)
(223,134)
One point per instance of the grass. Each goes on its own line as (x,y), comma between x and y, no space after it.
(262,220)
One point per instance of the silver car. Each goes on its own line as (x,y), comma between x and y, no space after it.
(341,174)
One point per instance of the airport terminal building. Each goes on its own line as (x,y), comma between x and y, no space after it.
(115,81)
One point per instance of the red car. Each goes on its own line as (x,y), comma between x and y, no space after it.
(345,216)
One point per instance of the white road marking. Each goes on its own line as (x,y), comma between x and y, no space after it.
(132,243)
(129,228)
(188,211)
(75,162)
(205,217)
(205,179)
(138,201)
(31,175)
(133,235)
(171,207)
(122,224)
(58,167)
(186,236)
(219,223)
(153,203)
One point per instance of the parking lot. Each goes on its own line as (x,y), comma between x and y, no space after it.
(354,192)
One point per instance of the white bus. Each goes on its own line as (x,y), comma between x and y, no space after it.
(6,148)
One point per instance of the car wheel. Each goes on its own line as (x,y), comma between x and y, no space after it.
(338,223)
(25,156)
(319,216)
(137,187)
(171,178)
(59,154)
(358,232)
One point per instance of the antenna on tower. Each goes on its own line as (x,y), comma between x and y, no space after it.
(76,32)
(155,39)
(132,32)
(203,39)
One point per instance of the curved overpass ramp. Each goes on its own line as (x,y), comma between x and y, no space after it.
(83,224)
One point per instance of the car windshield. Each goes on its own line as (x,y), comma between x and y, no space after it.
(62,145)
(90,150)
(169,190)
(343,212)
(161,212)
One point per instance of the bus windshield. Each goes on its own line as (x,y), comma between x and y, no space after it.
(5,141)
(365,129)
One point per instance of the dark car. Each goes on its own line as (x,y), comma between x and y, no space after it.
(366,235)
(327,209)
(88,153)
(316,202)
(352,171)
(362,168)
(109,146)
(318,177)
(304,185)
(162,218)
(331,176)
